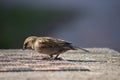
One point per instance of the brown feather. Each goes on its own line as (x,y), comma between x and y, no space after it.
(47,45)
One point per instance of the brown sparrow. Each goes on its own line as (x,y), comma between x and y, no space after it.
(48,45)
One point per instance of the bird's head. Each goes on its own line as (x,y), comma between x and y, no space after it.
(29,42)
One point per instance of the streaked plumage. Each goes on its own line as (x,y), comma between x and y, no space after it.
(48,45)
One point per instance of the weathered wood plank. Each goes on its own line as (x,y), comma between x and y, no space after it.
(102,63)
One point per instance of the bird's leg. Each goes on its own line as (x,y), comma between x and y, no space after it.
(51,56)
(56,57)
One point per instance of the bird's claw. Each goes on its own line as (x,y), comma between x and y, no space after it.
(58,58)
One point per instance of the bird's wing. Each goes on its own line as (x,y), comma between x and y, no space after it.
(52,42)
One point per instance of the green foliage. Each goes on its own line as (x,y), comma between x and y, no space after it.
(18,22)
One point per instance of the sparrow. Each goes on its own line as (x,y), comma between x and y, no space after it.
(49,45)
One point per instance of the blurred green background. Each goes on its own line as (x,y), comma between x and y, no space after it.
(19,22)
(83,23)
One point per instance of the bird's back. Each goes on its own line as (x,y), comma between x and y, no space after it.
(50,42)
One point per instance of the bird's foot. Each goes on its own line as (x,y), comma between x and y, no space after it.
(58,58)
(47,58)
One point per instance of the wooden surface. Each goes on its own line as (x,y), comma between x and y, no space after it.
(102,63)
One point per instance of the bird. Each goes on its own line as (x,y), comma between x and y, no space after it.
(49,45)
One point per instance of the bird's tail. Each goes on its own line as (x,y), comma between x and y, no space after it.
(77,48)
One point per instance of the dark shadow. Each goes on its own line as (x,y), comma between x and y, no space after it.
(45,70)
(75,70)
(85,61)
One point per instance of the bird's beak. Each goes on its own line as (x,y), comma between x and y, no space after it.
(24,47)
